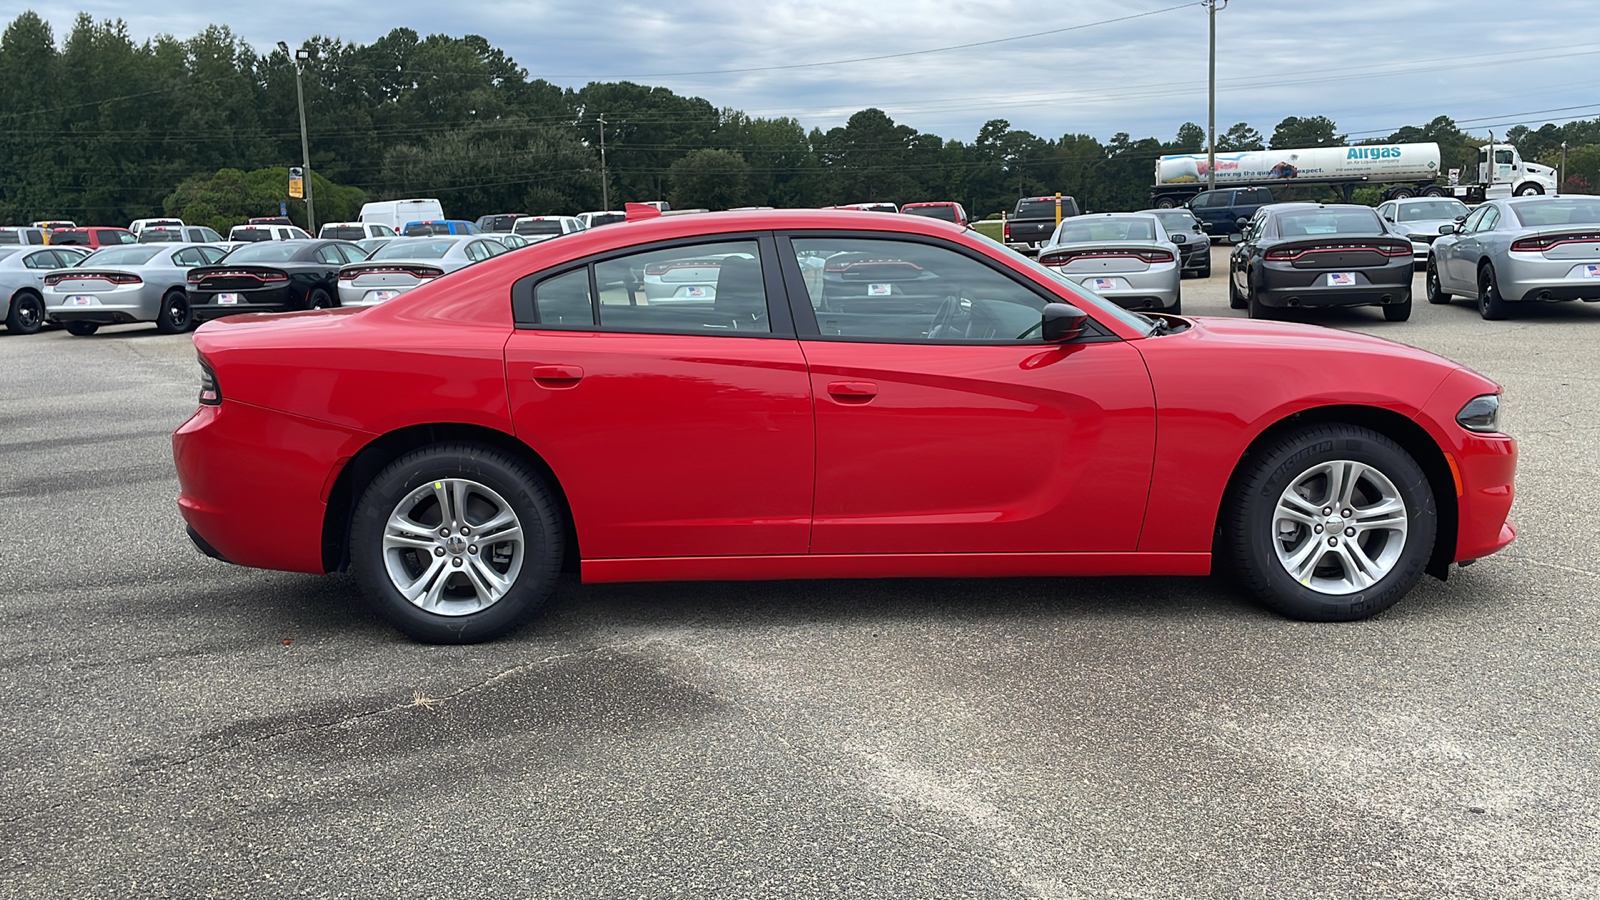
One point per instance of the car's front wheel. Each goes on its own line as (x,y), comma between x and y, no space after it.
(1235,298)
(1331,523)
(456,543)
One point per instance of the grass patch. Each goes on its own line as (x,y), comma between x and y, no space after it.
(988,228)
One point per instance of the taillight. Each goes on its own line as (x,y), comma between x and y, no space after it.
(1537,244)
(196,277)
(53,280)
(210,391)
(273,276)
(1155,256)
(1282,254)
(1393,250)
(426,272)
(1005,231)
(346,275)
(1054,259)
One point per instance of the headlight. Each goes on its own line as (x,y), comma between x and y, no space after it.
(1481,413)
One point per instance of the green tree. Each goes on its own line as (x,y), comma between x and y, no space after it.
(1191,139)
(1240,137)
(710,179)
(1314,131)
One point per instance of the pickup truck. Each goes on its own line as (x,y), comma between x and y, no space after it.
(1034,221)
(1220,210)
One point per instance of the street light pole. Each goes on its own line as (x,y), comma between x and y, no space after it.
(605,187)
(300,58)
(1211,115)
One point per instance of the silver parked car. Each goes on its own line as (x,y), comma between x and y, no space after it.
(404,263)
(22,273)
(179,234)
(118,285)
(1194,243)
(1127,258)
(512,241)
(1519,250)
(1417,219)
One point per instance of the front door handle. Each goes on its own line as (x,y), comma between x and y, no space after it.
(853,390)
(560,374)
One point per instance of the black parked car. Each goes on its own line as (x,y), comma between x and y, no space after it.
(1306,255)
(271,276)
(1195,248)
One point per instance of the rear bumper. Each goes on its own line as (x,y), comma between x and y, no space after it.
(204,306)
(1285,286)
(1522,278)
(98,315)
(252,483)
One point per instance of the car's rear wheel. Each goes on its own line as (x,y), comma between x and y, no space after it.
(1331,523)
(1403,193)
(26,315)
(1435,287)
(1433,191)
(319,299)
(175,315)
(1491,305)
(81,329)
(1166,203)
(456,543)
(1258,309)
(1398,312)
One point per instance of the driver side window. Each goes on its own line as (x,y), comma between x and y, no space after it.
(869,289)
(1474,220)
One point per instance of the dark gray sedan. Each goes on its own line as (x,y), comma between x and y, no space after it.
(1195,242)
(1519,250)
(1313,255)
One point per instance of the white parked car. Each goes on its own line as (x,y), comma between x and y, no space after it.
(354,231)
(542,228)
(251,234)
(606,217)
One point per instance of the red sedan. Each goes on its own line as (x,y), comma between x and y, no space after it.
(840,396)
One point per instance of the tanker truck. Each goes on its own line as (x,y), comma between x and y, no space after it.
(1409,170)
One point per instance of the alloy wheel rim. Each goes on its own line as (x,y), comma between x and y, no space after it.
(28,312)
(453,547)
(1339,527)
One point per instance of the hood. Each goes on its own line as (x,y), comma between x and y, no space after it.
(1293,335)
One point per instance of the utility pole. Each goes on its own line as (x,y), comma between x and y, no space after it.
(605,188)
(1211,116)
(1561,176)
(301,56)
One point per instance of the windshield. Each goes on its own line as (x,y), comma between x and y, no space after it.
(607,219)
(549,226)
(947,213)
(1431,210)
(1077,231)
(1559,211)
(416,249)
(1105,307)
(1177,220)
(266,251)
(123,256)
(1328,221)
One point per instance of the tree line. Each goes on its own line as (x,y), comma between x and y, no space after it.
(98,127)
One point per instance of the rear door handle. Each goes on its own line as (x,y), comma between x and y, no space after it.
(557,373)
(853,390)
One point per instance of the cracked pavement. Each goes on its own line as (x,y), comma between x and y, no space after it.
(176,727)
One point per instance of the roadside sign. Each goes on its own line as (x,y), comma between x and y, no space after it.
(1455,177)
(297,183)
(283,209)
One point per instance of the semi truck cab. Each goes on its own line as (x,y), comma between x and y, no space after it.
(1508,176)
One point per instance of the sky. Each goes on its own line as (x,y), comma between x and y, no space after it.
(1093,67)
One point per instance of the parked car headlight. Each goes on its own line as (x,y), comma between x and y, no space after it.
(1481,413)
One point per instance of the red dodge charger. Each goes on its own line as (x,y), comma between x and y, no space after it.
(815,394)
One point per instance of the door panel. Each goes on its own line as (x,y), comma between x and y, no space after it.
(980,448)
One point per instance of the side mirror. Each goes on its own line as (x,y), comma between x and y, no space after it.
(1061,322)
(1235,238)
(1388,218)
(1177,238)
(1447,229)
(1241,222)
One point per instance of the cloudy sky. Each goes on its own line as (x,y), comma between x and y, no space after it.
(1089,66)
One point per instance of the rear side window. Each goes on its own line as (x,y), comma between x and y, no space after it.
(70,237)
(1042,209)
(702,289)
(344,233)
(947,213)
(564,301)
(549,226)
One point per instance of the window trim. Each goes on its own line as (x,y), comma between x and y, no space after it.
(525,313)
(806,317)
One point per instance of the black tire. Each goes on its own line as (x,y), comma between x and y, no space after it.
(1251,526)
(1491,305)
(1435,288)
(1398,312)
(26,315)
(523,492)
(1528,189)
(1402,193)
(1205,271)
(81,329)
(1235,299)
(319,299)
(1177,306)
(1166,203)
(175,315)
(1433,191)
(1258,310)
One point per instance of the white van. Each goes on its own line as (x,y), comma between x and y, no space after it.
(396,213)
(354,231)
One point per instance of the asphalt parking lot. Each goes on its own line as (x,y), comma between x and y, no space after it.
(176,727)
